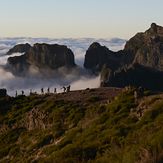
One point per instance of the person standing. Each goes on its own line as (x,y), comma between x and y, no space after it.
(30,91)
(55,90)
(68,88)
(64,89)
(42,91)
(16,94)
(48,90)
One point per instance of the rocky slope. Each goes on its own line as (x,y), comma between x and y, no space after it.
(20,48)
(46,56)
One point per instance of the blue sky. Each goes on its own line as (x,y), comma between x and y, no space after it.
(78,18)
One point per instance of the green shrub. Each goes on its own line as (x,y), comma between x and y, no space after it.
(46,95)
(49,150)
(42,141)
(146,93)
(36,102)
(93,99)
(7,140)
(52,105)
(14,151)
(150,115)
(75,115)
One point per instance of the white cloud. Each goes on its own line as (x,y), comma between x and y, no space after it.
(84,83)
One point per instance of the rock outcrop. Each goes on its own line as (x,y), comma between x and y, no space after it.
(97,55)
(20,48)
(147,64)
(148,47)
(45,56)
(34,119)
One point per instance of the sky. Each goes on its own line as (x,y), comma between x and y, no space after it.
(78,18)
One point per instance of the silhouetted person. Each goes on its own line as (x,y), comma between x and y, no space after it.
(55,90)
(48,90)
(64,89)
(42,91)
(16,94)
(68,88)
(30,91)
(22,92)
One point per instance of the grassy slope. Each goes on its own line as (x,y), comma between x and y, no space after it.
(93,134)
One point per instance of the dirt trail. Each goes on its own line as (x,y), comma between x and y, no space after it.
(80,96)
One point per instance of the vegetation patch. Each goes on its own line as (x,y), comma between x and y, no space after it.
(146,93)
(146,103)
(93,99)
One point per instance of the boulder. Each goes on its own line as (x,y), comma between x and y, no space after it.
(20,48)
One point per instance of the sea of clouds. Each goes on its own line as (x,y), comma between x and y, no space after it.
(34,80)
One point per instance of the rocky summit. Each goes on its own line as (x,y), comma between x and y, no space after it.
(97,55)
(20,48)
(46,56)
(146,48)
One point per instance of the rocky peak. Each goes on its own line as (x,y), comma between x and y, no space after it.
(157,29)
(20,48)
(97,55)
(94,45)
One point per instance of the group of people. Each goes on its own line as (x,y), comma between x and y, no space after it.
(48,90)
(65,89)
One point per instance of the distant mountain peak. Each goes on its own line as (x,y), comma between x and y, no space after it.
(19,48)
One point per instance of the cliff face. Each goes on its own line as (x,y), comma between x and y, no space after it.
(44,55)
(20,48)
(147,49)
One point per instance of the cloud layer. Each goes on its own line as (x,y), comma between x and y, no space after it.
(78,79)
